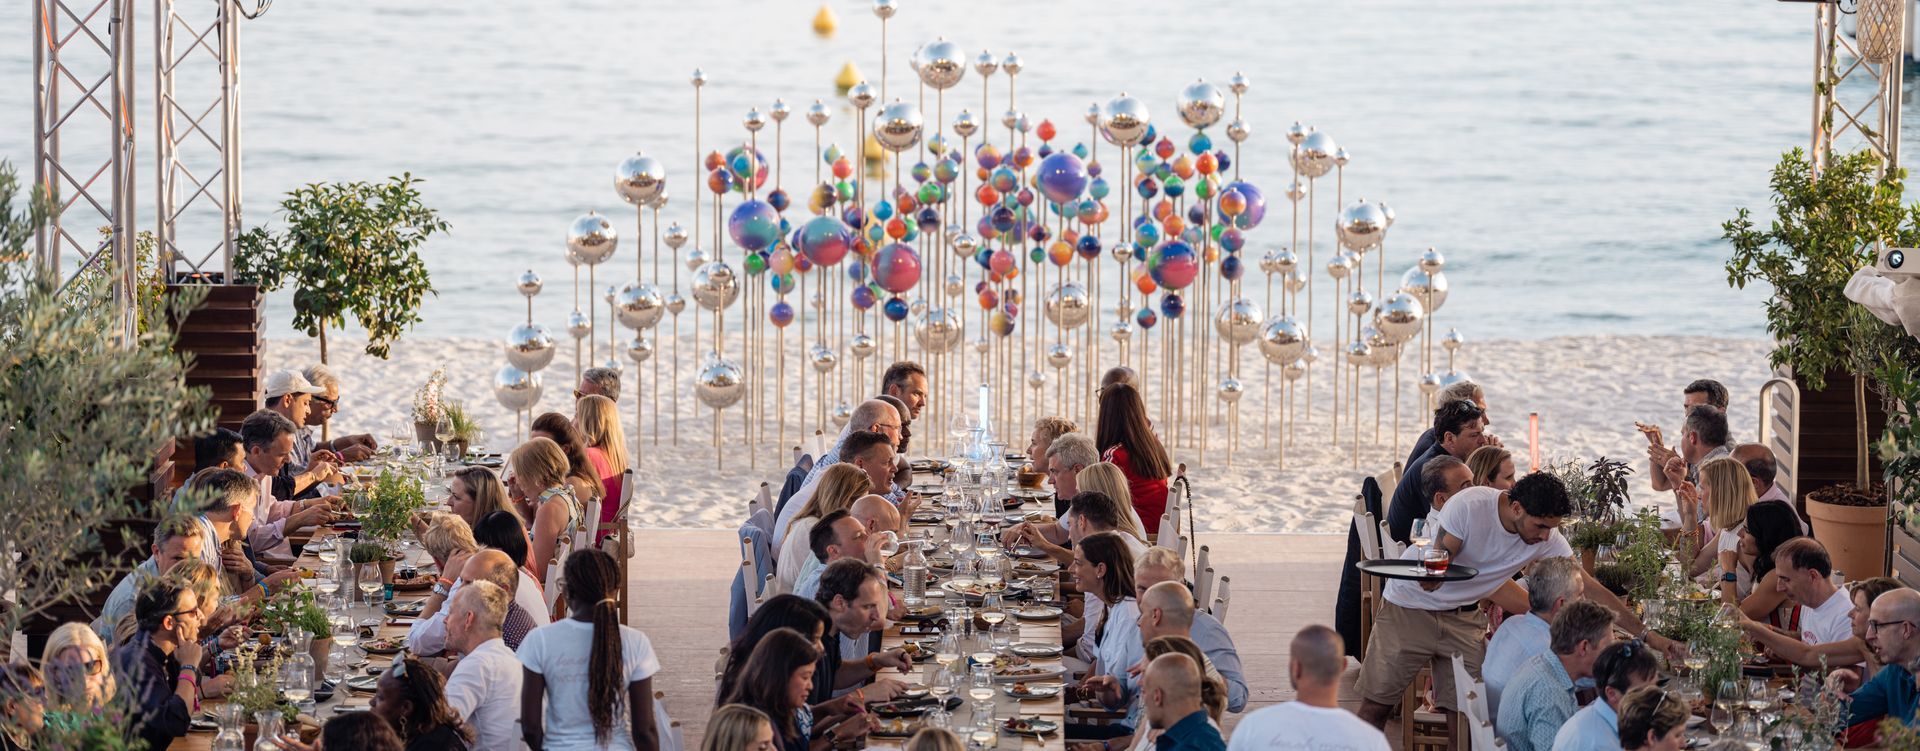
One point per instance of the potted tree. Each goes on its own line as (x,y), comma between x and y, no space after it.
(347,248)
(390,505)
(1827,226)
(296,607)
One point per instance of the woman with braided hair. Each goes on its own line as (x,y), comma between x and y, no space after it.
(412,698)
(588,679)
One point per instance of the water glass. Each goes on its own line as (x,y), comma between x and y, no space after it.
(1003,636)
(1043,588)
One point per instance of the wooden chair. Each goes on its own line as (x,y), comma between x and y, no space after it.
(1480,736)
(1389,547)
(617,540)
(1220,601)
(1420,728)
(1369,533)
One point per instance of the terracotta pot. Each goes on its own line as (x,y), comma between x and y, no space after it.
(320,650)
(1586,559)
(423,433)
(457,448)
(1855,536)
(386,572)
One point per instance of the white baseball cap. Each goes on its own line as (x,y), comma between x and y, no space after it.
(283,382)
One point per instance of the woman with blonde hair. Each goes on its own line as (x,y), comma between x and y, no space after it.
(935,739)
(78,675)
(540,474)
(475,492)
(1106,477)
(738,727)
(1726,490)
(598,421)
(1492,467)
(840,486)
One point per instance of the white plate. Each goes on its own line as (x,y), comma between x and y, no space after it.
(1037,613)
(1045,674)
(1038,650)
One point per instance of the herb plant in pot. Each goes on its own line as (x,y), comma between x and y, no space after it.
(297,607)
(390,506)
(466,429)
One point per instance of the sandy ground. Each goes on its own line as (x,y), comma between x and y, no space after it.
(1588,391)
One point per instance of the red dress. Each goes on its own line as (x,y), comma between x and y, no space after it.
(612,482)
(1149,493)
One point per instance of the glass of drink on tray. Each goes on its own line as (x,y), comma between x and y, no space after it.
(1418,535)
(1437,559)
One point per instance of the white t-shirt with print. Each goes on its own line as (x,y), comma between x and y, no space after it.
(1294,725)
(1473,515)
(559,652)
(1831,622)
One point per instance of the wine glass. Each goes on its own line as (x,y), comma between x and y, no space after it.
(346,634)
(1729,699)
(1758,696)
(993,608)
(888,543)
(1696,660)
(369,583)
(941,683)
(1418,536)
(296,679)
(947,655)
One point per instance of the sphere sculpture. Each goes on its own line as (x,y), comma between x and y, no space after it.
(516,389)
(1315,156)
(1068,306)
(1283,340)
(639,305)
(720,383)
(641,180)
(1238,321)
(1362,224)
(591,239)
(1201,104)
(1399,317)
(897,127)
(1124,120)
(715,286)
(530,347)
(938,330)
(940,64)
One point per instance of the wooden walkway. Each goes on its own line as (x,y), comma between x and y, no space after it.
(680,578)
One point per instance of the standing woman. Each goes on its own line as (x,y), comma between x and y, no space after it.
(1125,437)
(581,473)
(588,679)
(599,423)
(540,474)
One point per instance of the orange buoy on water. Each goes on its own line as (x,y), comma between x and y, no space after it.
(848,77)
(825,22)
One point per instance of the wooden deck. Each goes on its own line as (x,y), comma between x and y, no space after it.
(679,585)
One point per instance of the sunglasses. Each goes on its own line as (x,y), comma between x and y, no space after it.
(330,403)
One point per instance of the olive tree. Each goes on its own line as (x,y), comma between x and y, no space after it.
(347,248)
(82,416)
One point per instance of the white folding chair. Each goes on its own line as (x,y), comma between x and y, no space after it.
(1482,737)
(672,738)
(584,533)
(616,542)
(1219,608)
(557,576)
(1388,480)
(762,500)
(1169,529)
(1202,577)
(1369,534)
(1389,547)
(1470,694)
(1180,546)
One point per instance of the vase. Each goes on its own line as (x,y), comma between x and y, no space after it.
(457,448)
(320,649)
(423,432)
(386,571)
(1586,559)
(1855,537)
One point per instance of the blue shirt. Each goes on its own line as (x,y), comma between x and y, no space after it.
(1191,733)
(120,602)
(1594,728)
(1214,642)
(1539,700)
(1889,694)
(1518,640)
(807,584)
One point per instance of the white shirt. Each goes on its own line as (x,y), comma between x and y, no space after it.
(1473,516)
(1831,622)
(792,559)
(559,653)
(428,636)
(484,690)
(1295,725)
(1119,646)
(527,596)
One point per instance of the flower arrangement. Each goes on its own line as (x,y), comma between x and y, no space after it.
(295,607)
(256,681)
(426,401)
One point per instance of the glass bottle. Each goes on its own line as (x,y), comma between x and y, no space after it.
(268,738)
(914,573)
(232,719)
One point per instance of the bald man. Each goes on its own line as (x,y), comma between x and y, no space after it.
(879,515)
(1170,692)
(1174,612)
(1764,470)
(1893,631)
(494,566)
(873,415)
(1314,718)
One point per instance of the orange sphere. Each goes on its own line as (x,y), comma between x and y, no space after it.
(1206,164)
(986,195)
(1047,131)
(1143,281)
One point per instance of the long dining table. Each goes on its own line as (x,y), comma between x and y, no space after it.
(1032,631)
(375,622)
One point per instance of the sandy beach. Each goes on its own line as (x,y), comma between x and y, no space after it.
(1588,391)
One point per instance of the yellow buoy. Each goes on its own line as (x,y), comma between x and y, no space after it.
(825,22)
(849,76)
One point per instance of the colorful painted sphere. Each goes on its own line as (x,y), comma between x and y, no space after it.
(1062,177)
(780,314)
(754,225)
(825,240)
(1174,265)
(896,268)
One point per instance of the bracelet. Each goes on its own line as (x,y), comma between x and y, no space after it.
(870,666)
(189,675)
(264,592)
(1729,578)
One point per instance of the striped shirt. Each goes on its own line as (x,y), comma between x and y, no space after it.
(1535,704)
